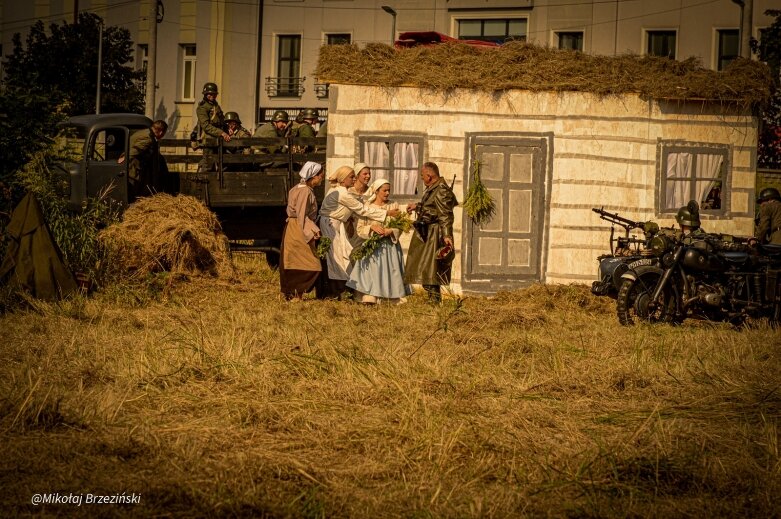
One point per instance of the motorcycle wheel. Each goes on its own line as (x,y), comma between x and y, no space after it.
(634,298)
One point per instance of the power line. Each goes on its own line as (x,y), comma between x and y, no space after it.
(52,17)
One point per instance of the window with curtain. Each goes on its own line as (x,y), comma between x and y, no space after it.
(696,172)
(397,159)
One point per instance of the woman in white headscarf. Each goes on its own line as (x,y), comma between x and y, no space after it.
(363,177)
(336,213)
(380,275)
(299,266)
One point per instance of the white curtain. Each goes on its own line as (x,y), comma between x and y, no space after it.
(679,169)
(708,172)
(405,163)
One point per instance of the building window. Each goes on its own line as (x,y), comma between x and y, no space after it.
(661,43)
(396,158)
(692,171)
(498,30)
(288,65)
(572,40)
(729,47)
(188,72)
(338,39)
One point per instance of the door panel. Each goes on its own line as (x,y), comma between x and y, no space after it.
(507,250)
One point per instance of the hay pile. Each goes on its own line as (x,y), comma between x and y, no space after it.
(518,65)
(173,234)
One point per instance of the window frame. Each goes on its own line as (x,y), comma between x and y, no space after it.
(393,139)
(328,35)
(459,16)
(648,33)
(666,147)
(557,38)
(288,90)
(717,46)
(186,60)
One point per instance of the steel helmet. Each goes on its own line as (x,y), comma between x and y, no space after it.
(232,116)
(210,88)
(769,193)
(689,215)
(280,115)
(309,113)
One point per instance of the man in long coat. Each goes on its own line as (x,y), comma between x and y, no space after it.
(431,250)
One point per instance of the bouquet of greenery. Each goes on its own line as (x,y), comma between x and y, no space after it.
(323,246)
(401,222)
(479,205)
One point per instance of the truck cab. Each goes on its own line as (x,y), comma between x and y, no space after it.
(94,145)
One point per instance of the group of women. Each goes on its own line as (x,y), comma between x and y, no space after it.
(352,211)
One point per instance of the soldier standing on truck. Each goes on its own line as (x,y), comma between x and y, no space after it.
(278,128)
(210,122)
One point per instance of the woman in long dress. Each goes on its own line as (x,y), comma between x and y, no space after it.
(379,276)
(336,213)
(299,266)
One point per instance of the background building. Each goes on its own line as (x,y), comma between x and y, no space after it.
(263,53)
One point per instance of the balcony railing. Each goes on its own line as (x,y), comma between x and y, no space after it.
(285,86)
(321,90)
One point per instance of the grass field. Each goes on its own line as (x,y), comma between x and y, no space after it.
(210,398)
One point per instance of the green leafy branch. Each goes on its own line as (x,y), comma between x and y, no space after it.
(401,222)
(479,204)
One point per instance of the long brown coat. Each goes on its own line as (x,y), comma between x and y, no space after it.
(769,228)
(435,214)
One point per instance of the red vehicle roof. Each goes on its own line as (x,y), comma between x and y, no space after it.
(413,39)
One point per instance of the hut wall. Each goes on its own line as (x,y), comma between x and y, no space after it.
(604,152)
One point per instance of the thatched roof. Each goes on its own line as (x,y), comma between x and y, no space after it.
(524,66)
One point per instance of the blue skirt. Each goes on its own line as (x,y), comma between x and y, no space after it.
(382,273)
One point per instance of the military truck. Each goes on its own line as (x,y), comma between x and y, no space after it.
(246,188)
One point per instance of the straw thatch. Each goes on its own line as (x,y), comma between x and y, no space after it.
(169,233)
(524,66)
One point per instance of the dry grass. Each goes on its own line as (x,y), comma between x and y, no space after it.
(177,234)
(218,399)
(524,66)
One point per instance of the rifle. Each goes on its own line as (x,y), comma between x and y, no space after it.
(649,228)
(613,218)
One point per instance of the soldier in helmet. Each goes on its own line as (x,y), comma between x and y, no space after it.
(769,228)
(688,218)
(308,118)
(210,122)
(278,127)
(236,131)
(305,128)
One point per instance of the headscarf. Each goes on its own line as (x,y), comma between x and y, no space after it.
(377,184)
(309,170)
(358,167)
(339,175)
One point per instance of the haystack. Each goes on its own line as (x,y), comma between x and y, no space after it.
(169,233)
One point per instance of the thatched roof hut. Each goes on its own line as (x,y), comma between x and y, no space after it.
(555,133)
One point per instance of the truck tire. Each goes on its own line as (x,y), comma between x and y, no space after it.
(634,297)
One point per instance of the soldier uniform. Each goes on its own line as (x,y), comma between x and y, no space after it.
(769,227)
(146,167)
(210,122)
(236,131)
(271,130)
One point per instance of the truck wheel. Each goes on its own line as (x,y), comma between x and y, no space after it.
(272,258)
(634,298)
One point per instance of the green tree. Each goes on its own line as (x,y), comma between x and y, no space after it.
(53,76)
(768,49)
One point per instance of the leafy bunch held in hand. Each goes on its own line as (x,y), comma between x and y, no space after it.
(401,222)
